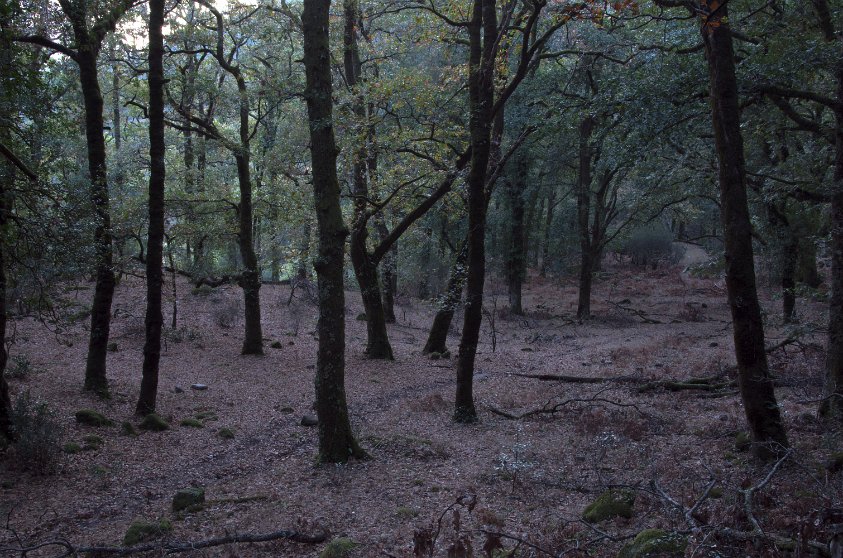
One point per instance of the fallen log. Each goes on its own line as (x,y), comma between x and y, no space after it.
(168,547)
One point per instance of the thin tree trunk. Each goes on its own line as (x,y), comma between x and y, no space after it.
(517,257)
(390,272)
(551,201)
(250,280)
(155,242)
(6,432)
(586,154)
(95,369)
(756,385)
(336,441)
(482,39)
(438,337)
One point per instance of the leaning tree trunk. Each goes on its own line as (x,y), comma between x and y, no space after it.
(438,337)
(155,243)
(517,256)
(481,96)
(756,385)
(336,441)
(95,369)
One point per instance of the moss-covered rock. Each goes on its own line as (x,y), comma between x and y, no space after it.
(339,548)
(71,447)
(742,441)
(612,503)
(90,417)
(112,347)
(188,498)
(153,423)
(128,429)
(276,345)
(192,423)
(92,442)
(140,531)
(225,433)
(655,542)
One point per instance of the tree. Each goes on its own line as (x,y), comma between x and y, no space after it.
(89,32)
(336,441)
(756,384)
(155,243)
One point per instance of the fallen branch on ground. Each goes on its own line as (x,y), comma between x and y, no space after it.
(552,408)
(578,379)
(165,547)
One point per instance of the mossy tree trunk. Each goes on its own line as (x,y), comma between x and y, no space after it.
(756,385)
(155,243)
(438,337)
(336,441)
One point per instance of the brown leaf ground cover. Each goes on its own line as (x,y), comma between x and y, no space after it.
(527,479)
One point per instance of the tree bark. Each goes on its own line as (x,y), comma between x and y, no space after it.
(482,38)
(336,441)
(155,242)
(756,385)
(95,369)
(438,337)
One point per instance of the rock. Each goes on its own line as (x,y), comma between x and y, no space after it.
(361,317)
(309,420)
(153,423)
(128,429)
(338,548)
(177,389)
(225,433)
(188,498)
(276,344)
(199,387)
(92,442)
(90,417)
(434,356)
(655,542)
(834,463)
(612,503)
(140,531)
(112,347)
(742,441)
(192,423)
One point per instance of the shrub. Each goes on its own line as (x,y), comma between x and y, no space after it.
(38,446)
(228,315)
(650,247)
(20,367)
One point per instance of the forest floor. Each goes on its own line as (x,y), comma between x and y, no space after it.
(527,478)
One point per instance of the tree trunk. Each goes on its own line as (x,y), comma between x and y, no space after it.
(551,200)
(365,268)
(756,385)
(155,242)
(481,96)
(250,280)
(438,337)
(832,405)
(336,441)
(95,369)
(586,154)
(517,256)
(390,272)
